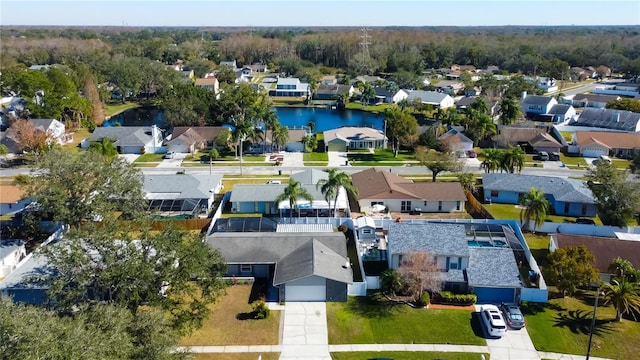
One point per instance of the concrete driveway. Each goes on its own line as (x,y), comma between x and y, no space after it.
(304,333)
(173,163)
(337,158)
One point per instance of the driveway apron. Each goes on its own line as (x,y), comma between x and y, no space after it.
(305,334)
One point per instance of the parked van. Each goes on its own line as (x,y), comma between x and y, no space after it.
(543,155)
(605,158)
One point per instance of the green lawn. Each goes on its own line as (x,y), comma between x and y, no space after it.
(78,136)
(229,181)
(149,157)
(381,156)
(370,108)
(223,326)
(406,355)
(573,160)
(374,320)
(118,107)
(562,326)
(510,211)
(315,159)
(236,356)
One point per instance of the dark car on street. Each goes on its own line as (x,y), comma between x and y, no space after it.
(512,315)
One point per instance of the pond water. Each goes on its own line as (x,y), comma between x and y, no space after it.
(324,119)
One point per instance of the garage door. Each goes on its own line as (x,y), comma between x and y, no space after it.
(337,146)
(308,289)
(494,295)
(593,152)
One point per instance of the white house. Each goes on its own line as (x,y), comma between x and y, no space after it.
(291,87)
(536,104)
(434,98)
(12,200)
(11,252)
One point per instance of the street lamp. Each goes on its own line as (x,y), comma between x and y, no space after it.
(593,321)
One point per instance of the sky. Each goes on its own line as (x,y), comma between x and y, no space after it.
(319,13)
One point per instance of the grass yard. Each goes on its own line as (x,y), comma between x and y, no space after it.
(315,159)
(562,326)
(381,158)
(118,107)
(539,246)
(149,158)
(374,320)
(222,327)
(572,160)
(370,108)
(236,356)
(406,355)
(78,136)
(229,182)
(510,211)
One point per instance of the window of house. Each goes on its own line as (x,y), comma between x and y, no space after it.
(425,204)
(566,208)
(494,193)
(366,231)
(439,205)
(458,205)
(453,264)
(405,206)
(245,268)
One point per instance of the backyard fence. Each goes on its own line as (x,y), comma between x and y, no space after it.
(475,207)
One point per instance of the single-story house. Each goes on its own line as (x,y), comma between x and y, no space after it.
(333,91)
(25,283)
(434,98)
(568,197)
(379,186)
(190,139)
(209,83)
(593,100)
(545,142)
(605,249)
(466,257)
(303,266)
(596,143)
(53,128)
(450,87)
(456,142)
(294,144)
(537,104)
(11,253)
(12,200)
(493,105)
(261,198)
(191,194)
(130,139)
(348,137)
(561,113)
(389,97)
(291,87)
(328,80)
(517,135)
(609,119)
(231,64)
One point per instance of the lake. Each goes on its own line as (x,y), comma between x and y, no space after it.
(324,119)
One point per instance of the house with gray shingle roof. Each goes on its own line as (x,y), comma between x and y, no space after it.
(129,139)
(593,100)
(351,137)
(568,197)
(562,113)
(181,193)
(476,258)
(297,266)
(537,104)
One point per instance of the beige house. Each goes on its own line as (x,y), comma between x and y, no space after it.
(380,187)
(345,138)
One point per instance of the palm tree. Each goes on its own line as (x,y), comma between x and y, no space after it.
(536,207)
(491,160)
(293,192)
(513,160)
(310,142)
(623,295)
(104,147)
(330,187)
(279,135)
(509,110)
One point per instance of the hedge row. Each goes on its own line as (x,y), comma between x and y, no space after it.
(447,297)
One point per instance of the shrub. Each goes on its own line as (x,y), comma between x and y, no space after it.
(448,297)
(424,299)
(391,282)
(260,310)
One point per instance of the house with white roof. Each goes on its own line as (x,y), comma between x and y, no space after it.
(348,137)
(290,87)
(434,98)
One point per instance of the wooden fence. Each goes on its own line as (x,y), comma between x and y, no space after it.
(475,208)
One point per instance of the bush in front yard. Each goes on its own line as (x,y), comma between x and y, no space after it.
(447,297)
(260,310)
(424,299)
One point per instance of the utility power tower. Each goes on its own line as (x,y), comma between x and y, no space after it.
(365,41)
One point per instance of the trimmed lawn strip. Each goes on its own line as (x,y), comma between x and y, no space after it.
(315,156)
(382,155)
(315,163)
(369,108)
(236,356)
(228,183)
(78,135)
(405,355)
(223,328)
(151,158)
(510,211)
(563,325)
(374,320)
(116,108)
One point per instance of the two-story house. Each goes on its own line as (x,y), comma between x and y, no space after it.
(290,87)
(536,104)
(477,258)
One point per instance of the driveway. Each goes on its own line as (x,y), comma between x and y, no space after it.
(515,345)
(337,158)
(130,158)
(173,163)
(304,331)
(292,159)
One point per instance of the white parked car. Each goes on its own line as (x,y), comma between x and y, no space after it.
(492,320)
